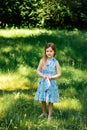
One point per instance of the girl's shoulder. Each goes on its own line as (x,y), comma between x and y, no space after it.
(55,60)
(41,61)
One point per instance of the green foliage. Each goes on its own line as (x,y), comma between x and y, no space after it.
(55,13)
(43,13)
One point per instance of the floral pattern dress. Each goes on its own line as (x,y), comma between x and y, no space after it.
(48,92)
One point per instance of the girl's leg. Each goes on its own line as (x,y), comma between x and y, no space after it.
(43,107)
(50,110)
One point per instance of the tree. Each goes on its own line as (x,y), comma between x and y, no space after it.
(43,13)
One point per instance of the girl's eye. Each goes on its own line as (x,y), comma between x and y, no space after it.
(48,51)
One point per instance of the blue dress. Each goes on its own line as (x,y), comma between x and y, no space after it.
(48,92)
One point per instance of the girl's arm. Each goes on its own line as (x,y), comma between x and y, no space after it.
(38,70)
(58,72)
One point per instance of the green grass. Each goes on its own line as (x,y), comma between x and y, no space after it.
(20,52)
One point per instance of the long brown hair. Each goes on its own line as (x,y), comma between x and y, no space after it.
(44,59)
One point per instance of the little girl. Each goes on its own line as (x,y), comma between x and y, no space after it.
(48,70)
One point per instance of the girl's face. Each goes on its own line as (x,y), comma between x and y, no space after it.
(49,52)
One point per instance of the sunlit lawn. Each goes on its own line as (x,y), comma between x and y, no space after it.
(20,53)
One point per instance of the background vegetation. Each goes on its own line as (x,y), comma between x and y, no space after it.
(43,13)
(20,52)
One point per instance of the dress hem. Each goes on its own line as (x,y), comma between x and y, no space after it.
(48,101)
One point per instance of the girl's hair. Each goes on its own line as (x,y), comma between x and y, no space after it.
(44,59)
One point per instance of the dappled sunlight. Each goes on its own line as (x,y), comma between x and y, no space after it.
(69,104)
(70,92)
(29,74)
(75,31)
(13,82)
(25,123)
(72,70)
(24,78)
(6,49)
(18,95)
(13,101)
(26,47)
(12,33)
(72,77)
(25,70)
(5,104)
(21,51)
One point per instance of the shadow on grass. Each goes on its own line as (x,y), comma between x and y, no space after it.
(28,50)
(22,113)
(9,92)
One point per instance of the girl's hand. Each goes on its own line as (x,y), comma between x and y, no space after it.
(49,77)
(44,76)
